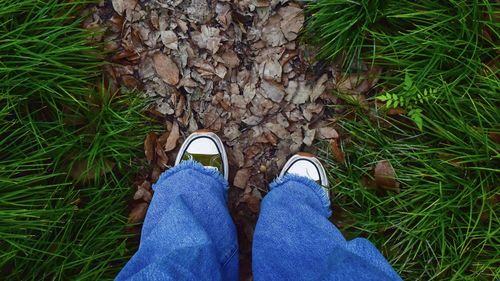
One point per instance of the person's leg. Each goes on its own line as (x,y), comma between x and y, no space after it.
(294,240)
(188,233)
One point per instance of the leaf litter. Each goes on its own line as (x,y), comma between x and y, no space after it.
(236,68)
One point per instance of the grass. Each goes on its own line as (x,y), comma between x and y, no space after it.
(68,148)
(444,223)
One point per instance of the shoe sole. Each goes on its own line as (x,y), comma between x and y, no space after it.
(203,133)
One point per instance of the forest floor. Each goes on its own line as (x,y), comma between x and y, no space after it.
(235,68)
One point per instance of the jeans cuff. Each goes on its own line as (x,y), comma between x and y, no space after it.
(194,166)
(316,188)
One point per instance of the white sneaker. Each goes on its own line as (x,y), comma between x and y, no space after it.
(306,165)
(206,148)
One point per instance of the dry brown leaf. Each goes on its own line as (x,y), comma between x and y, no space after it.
(121,6)
(236,156)
(252,202)
(312,110)
(130,82)
(149,146)
(279,130)
(231,131)
(272,90)
(385,176)
(271,138)
(155,174)
(241,178)
(396,111)
(223,15)
(212,118)
(221,71)
(293,20)
(143,194)
(146,185)
(347,84)
(138,213)
(128,55)
(172,139)
(169,39)
(204,67)
(238,101)
(208,38)
(338,154)
(272,34)
(162,159)
(155,19)
(271,70)
(231,58)
(166,68)
(319,88)
(163,138)
(308,135)
(328,133)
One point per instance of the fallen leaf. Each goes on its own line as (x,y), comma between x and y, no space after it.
(279,130)
(146,185)
(271,70)
(138,213)
(231,59)
(292,22)
(241,178)
(303,93)
(162,159)
(149,146)
(272,34)
(208,38)
(143,194)
(396,111)
(271,138)
(252,202)
(231,131)
(308,135)
(238,101)
(121,6)
(155,174)
(272,90)
(198,10)
(130,82)
(169,39)
(166,69)
(312,110)
(291,89)
(328,133)
(385,176)
(172,139)
(221,71)
(319,88)
(236,155)
(338,154)
(347,84)
(146,68)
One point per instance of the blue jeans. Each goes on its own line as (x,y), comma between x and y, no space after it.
(188,234)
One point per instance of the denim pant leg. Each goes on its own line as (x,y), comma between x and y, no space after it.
(294,240)
(188,233)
